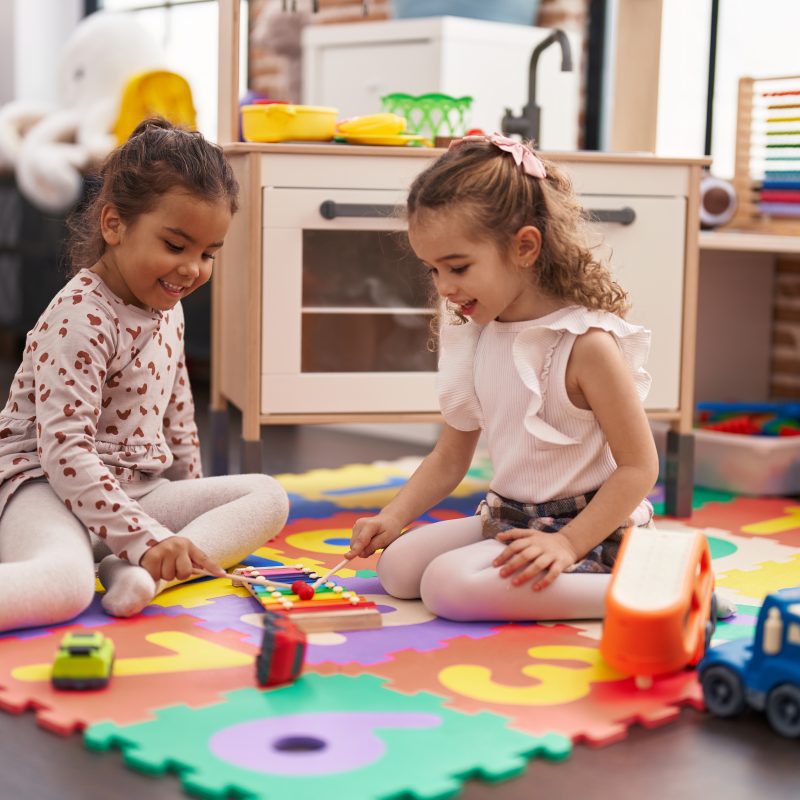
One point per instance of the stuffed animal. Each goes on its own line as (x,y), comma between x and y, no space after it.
(50,148)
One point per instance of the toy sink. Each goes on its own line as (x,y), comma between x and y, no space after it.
(281,122)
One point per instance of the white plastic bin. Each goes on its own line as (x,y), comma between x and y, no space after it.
(756,465)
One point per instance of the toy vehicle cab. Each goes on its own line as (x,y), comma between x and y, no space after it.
(763,673)
(84,660)
(660,606)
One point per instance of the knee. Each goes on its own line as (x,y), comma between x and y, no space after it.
(79,598)
(273,502)
(393,573)
(70,594)
(442,590)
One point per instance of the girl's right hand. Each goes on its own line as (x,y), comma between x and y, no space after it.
(371,534)
(177,557)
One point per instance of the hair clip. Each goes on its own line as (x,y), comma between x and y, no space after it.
(523,156)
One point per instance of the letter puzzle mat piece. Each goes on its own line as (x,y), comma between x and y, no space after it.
(413,627)
(542,678)
(160,661)
(331,608)
(776,517)
(334,736)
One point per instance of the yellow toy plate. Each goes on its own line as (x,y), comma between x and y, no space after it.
(372,125)
(398,140)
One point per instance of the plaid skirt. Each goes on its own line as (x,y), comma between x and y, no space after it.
(500,514)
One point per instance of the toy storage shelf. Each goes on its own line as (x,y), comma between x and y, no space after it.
(749,242)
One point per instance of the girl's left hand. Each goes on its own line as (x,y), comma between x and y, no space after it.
(534,555)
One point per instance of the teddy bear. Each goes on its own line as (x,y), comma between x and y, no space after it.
(50,148)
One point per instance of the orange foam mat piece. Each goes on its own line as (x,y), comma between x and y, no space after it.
(542,678)
(161,661)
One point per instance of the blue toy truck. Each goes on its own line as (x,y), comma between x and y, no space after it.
(764,673)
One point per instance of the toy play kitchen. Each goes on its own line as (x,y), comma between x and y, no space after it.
(316,312)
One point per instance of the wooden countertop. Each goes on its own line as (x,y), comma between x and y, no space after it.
(325,148)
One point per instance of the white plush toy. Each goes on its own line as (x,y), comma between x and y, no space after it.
(50,147)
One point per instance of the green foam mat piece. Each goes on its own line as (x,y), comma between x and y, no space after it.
(332,736)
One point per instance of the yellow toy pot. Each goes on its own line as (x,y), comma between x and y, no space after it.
(281,122)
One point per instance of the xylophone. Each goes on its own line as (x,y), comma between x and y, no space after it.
(332,608)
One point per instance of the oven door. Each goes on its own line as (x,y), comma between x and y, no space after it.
(346,306)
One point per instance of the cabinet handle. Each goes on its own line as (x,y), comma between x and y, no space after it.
(330,209)
(622,216)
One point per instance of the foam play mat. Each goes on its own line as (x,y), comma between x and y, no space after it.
(455,700)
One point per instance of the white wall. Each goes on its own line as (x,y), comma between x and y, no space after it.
(6,51)
(31,45)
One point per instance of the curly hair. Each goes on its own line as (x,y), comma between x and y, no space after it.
(156,158)
(496,198)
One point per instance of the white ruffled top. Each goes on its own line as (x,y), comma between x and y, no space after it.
(508,378)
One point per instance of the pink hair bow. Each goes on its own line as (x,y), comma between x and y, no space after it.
(522,155)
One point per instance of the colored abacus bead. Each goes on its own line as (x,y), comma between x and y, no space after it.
(305,591)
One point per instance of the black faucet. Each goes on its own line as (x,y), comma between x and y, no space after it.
(527,125)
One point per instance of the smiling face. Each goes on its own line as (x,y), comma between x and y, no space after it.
(476,276)
(165,254)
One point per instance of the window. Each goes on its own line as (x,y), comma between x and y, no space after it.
(760,44)
(794,633)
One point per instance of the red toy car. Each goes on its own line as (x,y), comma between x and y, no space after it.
(283,651)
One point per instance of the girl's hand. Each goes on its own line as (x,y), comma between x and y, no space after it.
(534,555)
(177,557)
(371,534)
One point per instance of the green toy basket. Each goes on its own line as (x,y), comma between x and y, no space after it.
(432,114)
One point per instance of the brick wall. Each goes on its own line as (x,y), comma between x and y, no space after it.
(275,47)
(571,16)
(785,363)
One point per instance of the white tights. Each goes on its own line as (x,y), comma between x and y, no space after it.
(47,572)
(449,565)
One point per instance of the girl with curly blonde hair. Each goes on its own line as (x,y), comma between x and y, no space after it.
(535,354)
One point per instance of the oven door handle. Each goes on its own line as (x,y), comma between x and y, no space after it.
(330,209)
(622,216)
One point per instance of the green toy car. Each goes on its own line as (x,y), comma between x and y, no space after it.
(84,661)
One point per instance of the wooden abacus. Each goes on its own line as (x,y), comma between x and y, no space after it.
(767,158)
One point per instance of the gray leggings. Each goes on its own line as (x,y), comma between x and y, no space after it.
(47,567)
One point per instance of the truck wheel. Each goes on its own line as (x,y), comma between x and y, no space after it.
(722,692)
(783,710)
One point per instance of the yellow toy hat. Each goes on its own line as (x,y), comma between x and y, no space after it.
(155,93)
